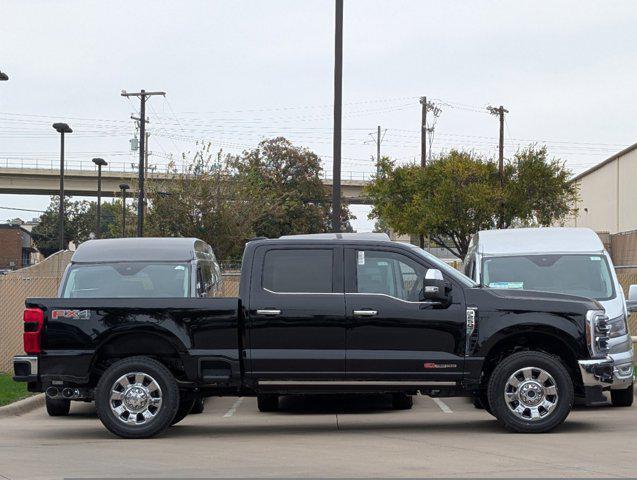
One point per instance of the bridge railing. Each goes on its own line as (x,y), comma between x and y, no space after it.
(71,165)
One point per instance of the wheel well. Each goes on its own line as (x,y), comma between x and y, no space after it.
(137,343)
(526,341)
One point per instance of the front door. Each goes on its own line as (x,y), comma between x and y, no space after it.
(392,335)
(296,319)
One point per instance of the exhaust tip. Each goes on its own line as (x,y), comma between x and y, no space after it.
(68,392)
(52,392)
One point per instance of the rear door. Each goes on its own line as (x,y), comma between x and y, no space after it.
(296,319)
(392,335)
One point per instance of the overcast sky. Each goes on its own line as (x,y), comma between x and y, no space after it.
(239,71)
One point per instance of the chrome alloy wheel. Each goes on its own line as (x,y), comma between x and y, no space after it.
(135,398)
(531,393)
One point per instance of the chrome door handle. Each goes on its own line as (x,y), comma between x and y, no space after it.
(270,312)
(365,313)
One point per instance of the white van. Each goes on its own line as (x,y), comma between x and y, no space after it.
(560,260)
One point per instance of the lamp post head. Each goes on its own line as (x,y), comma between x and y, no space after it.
(3,77)
(100,162)
(124,186)
(62,128)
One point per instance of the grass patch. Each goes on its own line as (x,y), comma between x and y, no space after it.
(11,391)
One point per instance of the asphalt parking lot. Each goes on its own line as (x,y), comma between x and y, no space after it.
(322,437)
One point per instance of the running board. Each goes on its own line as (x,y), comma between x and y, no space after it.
(353,383)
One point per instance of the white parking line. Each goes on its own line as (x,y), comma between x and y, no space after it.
(234,407)
(443,406)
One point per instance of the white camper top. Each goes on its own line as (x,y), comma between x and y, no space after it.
(537,240)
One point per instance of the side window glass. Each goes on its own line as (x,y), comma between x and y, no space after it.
(388,273)
(298,271)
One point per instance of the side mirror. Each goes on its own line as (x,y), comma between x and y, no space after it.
(434,287)
(631,302)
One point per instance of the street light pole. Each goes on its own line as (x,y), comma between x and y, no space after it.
(61,128)
(338,110)
(100,162)
(123,187)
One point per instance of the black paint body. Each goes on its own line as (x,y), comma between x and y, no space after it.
(224,346)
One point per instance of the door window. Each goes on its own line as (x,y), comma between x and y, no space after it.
(389,273)
(298,271)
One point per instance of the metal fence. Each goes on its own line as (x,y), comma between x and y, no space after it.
(39,280)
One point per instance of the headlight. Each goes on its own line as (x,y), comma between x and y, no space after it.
(617,326)
(597,333)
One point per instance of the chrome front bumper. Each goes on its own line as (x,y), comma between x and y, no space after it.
(598,372)
(621,353)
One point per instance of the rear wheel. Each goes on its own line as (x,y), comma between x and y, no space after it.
(622,398)
(402,401)
(137,398)
(56,407)
(268,403)
(530,392)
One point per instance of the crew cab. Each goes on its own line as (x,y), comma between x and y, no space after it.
(327,313)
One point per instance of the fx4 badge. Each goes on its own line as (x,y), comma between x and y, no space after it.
(71,314)
(440,365)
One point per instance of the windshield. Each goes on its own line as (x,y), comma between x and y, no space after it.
(582,275)
(445,268)
(128,280)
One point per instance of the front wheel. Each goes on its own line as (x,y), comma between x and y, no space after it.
(530,392)
(622,398)
(137,397)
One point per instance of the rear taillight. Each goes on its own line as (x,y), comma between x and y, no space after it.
(33,323)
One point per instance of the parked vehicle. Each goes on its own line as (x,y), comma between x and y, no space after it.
(560,260)
(337,313)
(138,268)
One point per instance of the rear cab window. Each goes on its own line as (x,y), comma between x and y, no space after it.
(298,270)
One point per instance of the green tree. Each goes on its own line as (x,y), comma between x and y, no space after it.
(459,194)
(79,222)
(206,203)
(283,183)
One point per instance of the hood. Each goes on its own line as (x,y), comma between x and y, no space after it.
(491,299)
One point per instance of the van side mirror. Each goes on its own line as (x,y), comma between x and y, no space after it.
(434,287)
(631,302)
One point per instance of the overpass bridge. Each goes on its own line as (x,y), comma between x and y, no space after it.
(41,177)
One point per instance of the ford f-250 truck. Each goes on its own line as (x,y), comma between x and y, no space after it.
(332,313)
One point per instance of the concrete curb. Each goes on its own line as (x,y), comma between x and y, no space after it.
(22,406)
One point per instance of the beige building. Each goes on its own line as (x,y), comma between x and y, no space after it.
(608,194)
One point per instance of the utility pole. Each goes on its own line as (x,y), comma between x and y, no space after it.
(143,95)
(377,149)
(500,111)
(423,150)
(423,133)
(338,110)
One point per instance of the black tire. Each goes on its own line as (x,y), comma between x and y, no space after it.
(198,407)
(402,401)
(268,403)
(58,407)
(622,398)
(185,408)
(563,401)
(164,414)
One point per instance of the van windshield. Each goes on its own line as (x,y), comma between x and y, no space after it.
(582,275)
(128,280)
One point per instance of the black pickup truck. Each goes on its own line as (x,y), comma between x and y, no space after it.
(333,313)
